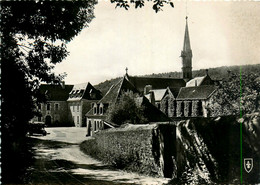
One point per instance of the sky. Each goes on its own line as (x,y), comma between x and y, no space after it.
(221,34)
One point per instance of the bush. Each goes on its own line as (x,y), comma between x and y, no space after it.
(126,110)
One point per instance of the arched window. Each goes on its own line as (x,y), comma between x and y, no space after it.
(101,110)
(95,109)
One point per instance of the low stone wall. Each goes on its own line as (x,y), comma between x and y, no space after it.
(147,149)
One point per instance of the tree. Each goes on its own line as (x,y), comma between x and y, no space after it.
(34,35)
(239,93)
(126,110)
(33,39)
(157,6)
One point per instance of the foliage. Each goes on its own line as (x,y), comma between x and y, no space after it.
(33,39)
(126,110)
(236,95)
(157,4)
(216,73)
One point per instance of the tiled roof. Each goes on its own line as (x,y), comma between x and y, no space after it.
(77,92)
(56,92)
(114,92)
(198,92)
(84,91)
(156,83)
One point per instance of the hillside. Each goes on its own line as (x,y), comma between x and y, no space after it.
(216,73)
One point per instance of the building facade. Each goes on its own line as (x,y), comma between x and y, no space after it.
(55,111)
(81,98)
(66,105)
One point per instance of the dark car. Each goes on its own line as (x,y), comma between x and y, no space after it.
(37,128)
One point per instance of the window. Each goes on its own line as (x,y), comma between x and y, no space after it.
(95,109)
(39,118)
(97,126)
(48,106)
(40,106)
(94,125)
(56,106)
(77,119)
(77,108)
(101,108)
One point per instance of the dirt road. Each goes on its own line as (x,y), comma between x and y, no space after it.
(57,162)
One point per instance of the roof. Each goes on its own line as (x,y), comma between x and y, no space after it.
(195,81)
(77,91)
(113,93)
(186,44)
(152,113)
(159,94)
(175,91)
(55,92)
(157,83)
(83,91)
(198,92)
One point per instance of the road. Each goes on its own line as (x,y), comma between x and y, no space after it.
(58,160)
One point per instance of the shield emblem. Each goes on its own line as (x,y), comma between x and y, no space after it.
(248,164)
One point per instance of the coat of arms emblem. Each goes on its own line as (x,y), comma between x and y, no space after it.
(248,164)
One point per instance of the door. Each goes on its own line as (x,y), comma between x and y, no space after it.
(48,120)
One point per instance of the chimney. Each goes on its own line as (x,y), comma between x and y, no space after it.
(207,72)
(229,73)
(62,84)
(147,89)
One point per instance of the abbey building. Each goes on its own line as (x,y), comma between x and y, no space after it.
(184,97)
(165,98)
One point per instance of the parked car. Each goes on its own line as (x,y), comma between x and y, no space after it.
(37,128)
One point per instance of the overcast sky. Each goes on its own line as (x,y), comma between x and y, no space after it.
(221,33)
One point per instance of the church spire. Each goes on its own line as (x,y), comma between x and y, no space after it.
(186,55)
(186,44)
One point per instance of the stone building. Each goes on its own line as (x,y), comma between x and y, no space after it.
(55,110)
(66,105)
(175,97)
(97,116)
(81,98)
(192,101)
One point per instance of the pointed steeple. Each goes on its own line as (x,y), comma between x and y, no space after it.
(186,44)
(186,55)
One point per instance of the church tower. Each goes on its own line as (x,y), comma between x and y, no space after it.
(186,55)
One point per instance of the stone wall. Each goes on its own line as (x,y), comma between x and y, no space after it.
(148,149)
(168,105)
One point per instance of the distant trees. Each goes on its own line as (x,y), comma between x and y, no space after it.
(126,110)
